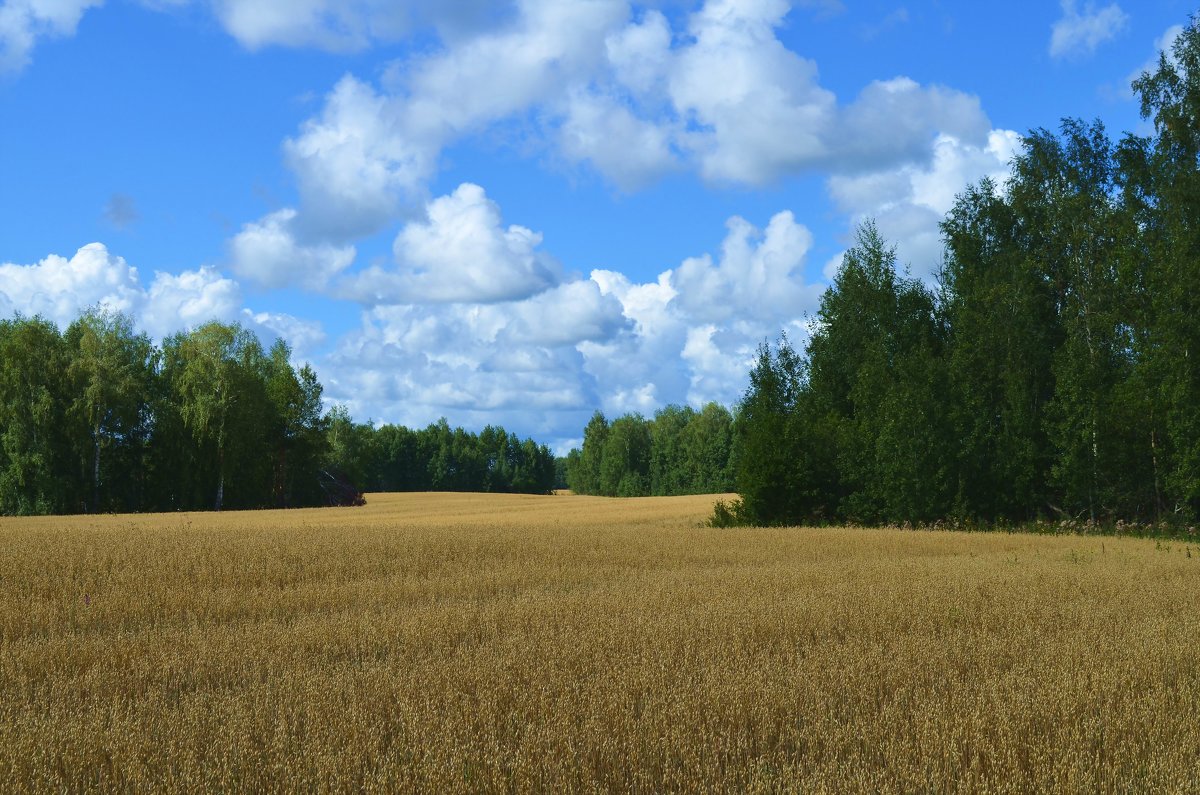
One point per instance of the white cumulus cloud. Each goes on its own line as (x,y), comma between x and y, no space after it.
(695,328)
(413,364)
(367,157)
(304,336)
(1080,31)
(758,272)
(23,22)
(339,25)
(267,252)
(637,54)
(60,289)
(601,130)
(626,95)
(346,25)
(461,252)
(741,87)
(564,315)
(177,302)
(549,46)
(897,121)
(357,165)
(544,359)
(908,203)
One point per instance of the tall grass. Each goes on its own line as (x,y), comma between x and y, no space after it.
(496,643)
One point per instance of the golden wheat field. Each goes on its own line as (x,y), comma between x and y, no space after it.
(478,643)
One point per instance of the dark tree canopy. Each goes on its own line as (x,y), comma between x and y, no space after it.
(438,458)
(679,451)
(1054,374)
(99,419)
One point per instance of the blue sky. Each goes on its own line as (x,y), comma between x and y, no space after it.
(515,213)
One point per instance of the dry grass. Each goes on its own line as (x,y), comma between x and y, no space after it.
(482,643)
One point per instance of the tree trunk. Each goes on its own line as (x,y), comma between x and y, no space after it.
(1158,502)
(220,479)
(281,485)
(96,472)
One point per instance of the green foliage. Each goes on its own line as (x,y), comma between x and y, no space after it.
(560,472)
(110,374)
(727,514)
(298,429)
(1163,188)
(769,453)
(625,461)
(679,451)
(873,380)
(438,458)
(1054,375)
(669,465)
(216,375)
(583,466)
(36,472)
(99,419)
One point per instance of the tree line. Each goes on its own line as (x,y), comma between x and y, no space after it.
(100,419)
(439,458)
(680,451)
(1054,370)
